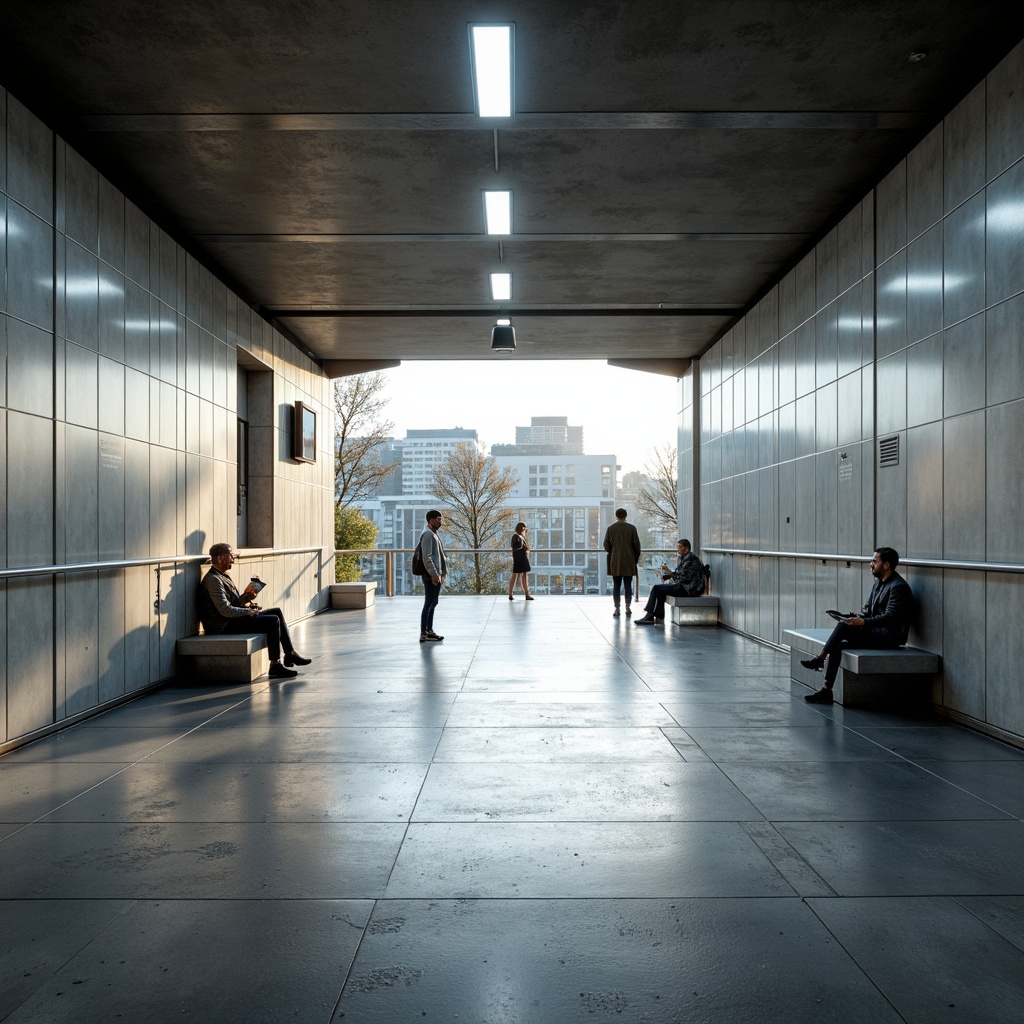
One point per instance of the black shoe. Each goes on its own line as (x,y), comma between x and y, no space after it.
(278,671)
(629,612)
(647,620)
(615,614)
(823,696)
(528,598)
(431,635)
(814,663)
(291,658)
(510,597)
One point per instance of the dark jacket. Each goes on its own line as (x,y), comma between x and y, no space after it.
(219,600)
(889,608)
(622,543)
(689,574)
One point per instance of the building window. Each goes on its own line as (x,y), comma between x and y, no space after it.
(542,469)
(570,492)
(570,479)
(556,469)
(533,492)
(606,470)
(533,469)
(543,493)
(556,479)
(533,481)
(557,492)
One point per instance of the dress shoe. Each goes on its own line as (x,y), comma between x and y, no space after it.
(295,659)
(823,696)
(615,614)
(647,620)
(528,598)
(814,663)
(278,671)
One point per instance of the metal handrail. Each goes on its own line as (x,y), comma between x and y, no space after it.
(134,563)
(921,563)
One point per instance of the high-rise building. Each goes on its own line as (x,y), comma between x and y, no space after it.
(549,435)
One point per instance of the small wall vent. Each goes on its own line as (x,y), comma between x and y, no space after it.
(889,450)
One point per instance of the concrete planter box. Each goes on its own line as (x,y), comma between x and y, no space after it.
(353,595)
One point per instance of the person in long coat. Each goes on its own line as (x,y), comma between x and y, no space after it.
(622,543)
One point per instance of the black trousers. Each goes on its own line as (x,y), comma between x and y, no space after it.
(853,636)
(271,623)
(620,583)
(656,602)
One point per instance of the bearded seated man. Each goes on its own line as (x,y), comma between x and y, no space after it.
(222,609)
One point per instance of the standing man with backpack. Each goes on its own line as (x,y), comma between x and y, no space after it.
(432,569)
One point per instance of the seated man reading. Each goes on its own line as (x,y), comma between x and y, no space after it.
(884,621)
(685,580)
(222,609)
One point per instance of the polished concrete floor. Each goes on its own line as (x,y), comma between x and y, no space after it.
(553,816)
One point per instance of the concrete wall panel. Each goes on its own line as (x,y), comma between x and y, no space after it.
(963,367)
(30,676)
(1004,482)
(964,642)
(963,487)
(924,491)
(1004,695)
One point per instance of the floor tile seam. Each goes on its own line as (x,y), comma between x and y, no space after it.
(1015,945)
(777,857)
(920,766)
(853,959)
(127,766)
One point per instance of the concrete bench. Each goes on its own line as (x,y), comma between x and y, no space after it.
(694,611)
(223,658)
(867,675)
(353,595)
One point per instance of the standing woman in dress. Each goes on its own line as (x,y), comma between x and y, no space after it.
(520,561)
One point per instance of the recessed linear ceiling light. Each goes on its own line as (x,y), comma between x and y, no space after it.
(501,287)
(498,212)
(491,46)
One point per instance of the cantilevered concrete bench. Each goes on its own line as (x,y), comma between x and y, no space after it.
(867,676)
(223,658)
(353,595)
(694,611)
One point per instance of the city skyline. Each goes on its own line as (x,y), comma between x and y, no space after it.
(624,413)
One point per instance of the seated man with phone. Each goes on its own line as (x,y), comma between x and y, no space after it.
(222,609)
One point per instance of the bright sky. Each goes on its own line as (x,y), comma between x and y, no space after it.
(623,412)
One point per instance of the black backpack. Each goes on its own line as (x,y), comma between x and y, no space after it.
(418,568)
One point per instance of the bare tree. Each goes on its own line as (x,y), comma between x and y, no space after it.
(658,500)
(358,466)
(472,490)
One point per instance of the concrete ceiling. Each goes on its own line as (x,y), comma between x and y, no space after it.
(668,160)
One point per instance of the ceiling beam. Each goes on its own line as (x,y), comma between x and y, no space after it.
(662,236)
(278,313)
(665,367)
(696,120)
(334,368)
